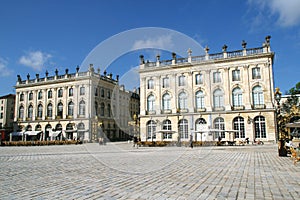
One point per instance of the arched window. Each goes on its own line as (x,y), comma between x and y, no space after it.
(60,109)
(40,95)
(102,109)
(70,92)
(82,107)
(181,80)
(49,94)
(80,131)
(238,125)
(219,124)
(82,90)
(167,125)
(150,84)
(150,103)
(218,99)
(40,111)
(182,100)
(60,93)
(30,97)
(21,112)
(183,129)
(201,124)
(258,96)
(151,130)
(237,97)
(260,127)
(199,100)
(49,110)
(38,127)
(166,102)
(30,112)
(71,109)
(22,97)
(58,127)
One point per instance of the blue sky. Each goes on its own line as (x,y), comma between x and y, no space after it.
(40,35)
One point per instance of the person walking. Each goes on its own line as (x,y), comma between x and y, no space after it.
(191,141)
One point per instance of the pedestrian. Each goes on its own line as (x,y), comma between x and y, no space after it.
(135,141)
(191,141)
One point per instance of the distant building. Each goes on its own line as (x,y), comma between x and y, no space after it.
(82,105)
(7,104)
(228,95)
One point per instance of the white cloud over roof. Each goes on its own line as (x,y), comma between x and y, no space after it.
(35,59)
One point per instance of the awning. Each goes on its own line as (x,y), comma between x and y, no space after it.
(70,131)
(208,130)
(165,131)
(16,133)
(31,133)
(54,133)
(293,125)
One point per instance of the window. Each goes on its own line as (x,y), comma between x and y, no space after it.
(49,94)
(71,109)
(30,96)
(217,77)
(151,130)
(49,110)
(237,97)
(102,92)
(166,102)
(108,94)
(82,90)
(150,103)
(182,100)
(236,75)
(1,116)
(150,84)
(108,110)
(256,73)
(238,125)
(40,95)
(167,126)
(183,129)
(218,99)
(258,96)
(60,93)
(40,111)
(22,97)
(102,108)
(21,112)
(96,108)
(60,110)
(200,124)
(181,80)
(260,127)
(82,107)
(199,100)
(96,91)
(219,124)
(199,79)
(166,83)
(70,92)
(30,112)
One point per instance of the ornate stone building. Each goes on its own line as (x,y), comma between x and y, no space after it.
(228,95)
(7,105)
(82,105)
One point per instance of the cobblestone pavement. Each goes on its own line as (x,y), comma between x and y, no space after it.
(119,171)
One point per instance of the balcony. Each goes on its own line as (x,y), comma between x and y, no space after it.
(200,109)
(237,107)
(258,106)
(221,108)
(167,111)
(151,112)
(183,110)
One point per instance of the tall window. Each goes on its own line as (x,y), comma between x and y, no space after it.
(199,100)
(150,84)
(181,80)
(21,112)
(237,97)
(166,82)
(260,127)
(102,92)
(30,111)
(49,94)
(108,94)
(96,91)
(217,77)
(70,108)
(183,129)
(201,124)
(22,97)
(30,96)
(182,100)
(151,130)
(167,126)
(256,73)
(82,107)
(49,110)
(166,102)
(238,125)
(218,98)
(150,103)
(236,75)
(199,79)
(60,93)
(71,92)
(96,108)
(40,95)
(219,124)
(102,109)
(40,111)
(82,90)
(60,109)
(109,110)
(258,96)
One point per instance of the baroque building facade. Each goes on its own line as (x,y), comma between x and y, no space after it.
(82,105)
(227,96)
(7,106)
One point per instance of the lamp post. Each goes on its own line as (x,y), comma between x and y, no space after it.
(179,134)
(281,140)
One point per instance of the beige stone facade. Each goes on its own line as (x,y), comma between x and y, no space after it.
(200,95)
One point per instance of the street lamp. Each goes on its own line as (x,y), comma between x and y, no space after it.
(281,140)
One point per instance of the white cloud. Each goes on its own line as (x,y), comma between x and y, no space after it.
(35,59)
(3,68)
(286,11)
(160,42)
